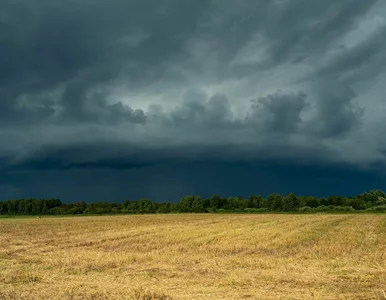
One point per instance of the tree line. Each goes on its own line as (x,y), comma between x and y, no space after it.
(374,200)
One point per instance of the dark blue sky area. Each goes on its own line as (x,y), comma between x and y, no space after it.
(169,182)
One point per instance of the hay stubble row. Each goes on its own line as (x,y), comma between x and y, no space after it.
(202,256)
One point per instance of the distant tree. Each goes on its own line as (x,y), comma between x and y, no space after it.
(215,202)
(12,207)
(145,206)
(57,211)
(302,201)
(372,200)
(290,202)
(275,202)
(126,204)
(356,203)
(83,206)
(186,203)
(3,208)
(336,200)
(197,205)
(250,200)
(22,207)
(310,201)
(323,202)
(206,203)
(223,203)
(236,203)
(256,201)
(133,206)
(37,206)
(165,208)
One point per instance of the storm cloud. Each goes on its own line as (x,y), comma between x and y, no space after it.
(136,84)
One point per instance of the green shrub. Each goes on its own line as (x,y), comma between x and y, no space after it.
(344,208)
(305,209)
(379,208)
(322,208)
(256,210)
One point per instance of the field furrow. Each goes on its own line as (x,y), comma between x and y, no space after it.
(202,256)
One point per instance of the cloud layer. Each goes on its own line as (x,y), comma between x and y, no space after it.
(135,83)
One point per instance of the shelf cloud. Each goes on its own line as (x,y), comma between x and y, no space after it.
(136,84)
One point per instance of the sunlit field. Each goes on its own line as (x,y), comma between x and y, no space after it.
(203,256)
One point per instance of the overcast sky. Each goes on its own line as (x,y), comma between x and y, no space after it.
(113,100)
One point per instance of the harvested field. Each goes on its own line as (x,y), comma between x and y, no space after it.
(187,256)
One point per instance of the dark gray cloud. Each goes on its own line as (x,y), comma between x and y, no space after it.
(197,111)
(337,115)
(279,112)
(74,47)
(319,26)
(129,84)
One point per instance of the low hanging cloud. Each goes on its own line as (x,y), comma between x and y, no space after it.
(134,83)
(279,112)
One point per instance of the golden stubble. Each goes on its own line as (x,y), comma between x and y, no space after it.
(194,256)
